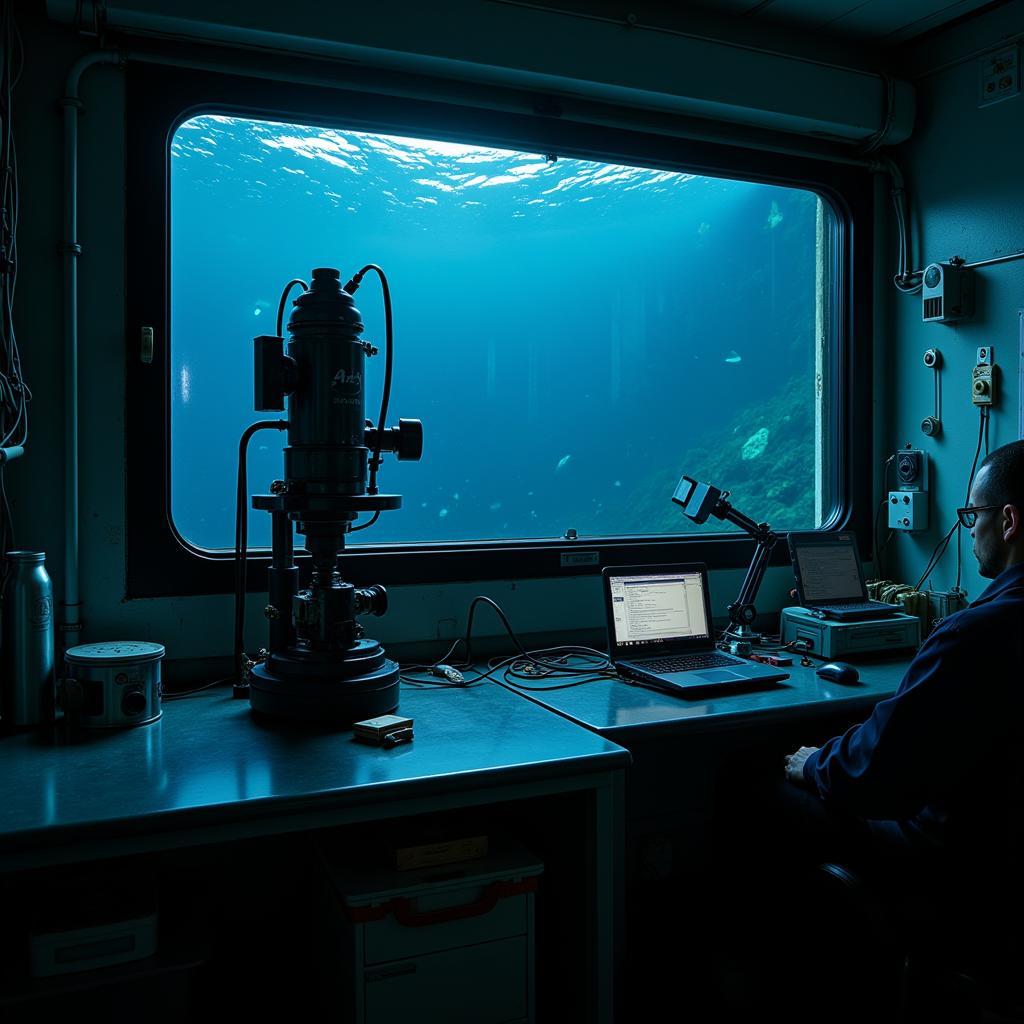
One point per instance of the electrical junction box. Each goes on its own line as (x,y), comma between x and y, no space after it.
(448,944)
(833,639)
(998,76)
(908,510)
(947,293)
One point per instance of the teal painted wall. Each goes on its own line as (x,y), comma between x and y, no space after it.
(964,178)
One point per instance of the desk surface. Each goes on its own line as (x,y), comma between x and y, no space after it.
(615,708)
(209,763)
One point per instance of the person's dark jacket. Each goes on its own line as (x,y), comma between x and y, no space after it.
(944,755)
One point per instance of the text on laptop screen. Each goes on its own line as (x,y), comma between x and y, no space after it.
(828,572)
(652,608)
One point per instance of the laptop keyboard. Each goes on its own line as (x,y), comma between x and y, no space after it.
(859,606)
(689,662)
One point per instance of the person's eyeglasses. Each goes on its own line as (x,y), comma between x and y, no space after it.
(969,516)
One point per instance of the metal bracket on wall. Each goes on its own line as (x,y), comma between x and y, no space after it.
(932,425)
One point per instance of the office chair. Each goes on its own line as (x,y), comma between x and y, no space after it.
(941,935)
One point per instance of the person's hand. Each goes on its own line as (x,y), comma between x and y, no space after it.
(795,765)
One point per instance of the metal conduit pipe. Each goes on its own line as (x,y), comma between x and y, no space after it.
(71,620)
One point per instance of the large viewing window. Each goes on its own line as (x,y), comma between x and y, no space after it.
(573,334)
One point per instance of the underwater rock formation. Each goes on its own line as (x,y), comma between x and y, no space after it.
(775,486)
(755,444)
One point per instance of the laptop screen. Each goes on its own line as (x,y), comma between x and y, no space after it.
(827,568)
(651,609)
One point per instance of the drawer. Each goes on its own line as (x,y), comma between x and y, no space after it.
(484,984)
(390,939)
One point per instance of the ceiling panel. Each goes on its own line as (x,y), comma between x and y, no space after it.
(883,21)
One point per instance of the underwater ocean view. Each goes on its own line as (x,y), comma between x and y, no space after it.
(574,335)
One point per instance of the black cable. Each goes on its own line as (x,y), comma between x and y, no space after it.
(543,668)
(166,696)
(982,418)
(982,427)
(369,522)
(389,356)
(242,538)
(6,533)
(878,513)
(284,298)
(940,550)
(14,391)
(580,674)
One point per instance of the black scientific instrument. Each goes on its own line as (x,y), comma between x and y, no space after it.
(698,501)
(319,664)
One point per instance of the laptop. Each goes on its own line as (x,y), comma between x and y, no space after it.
(829,578)
(660,632)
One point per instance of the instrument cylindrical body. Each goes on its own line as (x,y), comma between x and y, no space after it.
(28,688)
(283,583)
(326,451)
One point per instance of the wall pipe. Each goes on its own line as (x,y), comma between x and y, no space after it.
(71,619)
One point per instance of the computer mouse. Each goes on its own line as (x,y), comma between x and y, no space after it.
(839,672)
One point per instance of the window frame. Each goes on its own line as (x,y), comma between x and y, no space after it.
(160,562)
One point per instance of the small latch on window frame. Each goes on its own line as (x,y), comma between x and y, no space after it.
(147,344)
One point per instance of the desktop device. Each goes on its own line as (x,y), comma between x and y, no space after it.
(830,638)
(660,632)
(829,578)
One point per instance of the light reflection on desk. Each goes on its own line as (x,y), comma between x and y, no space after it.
(208,761)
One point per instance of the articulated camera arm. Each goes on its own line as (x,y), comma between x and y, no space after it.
(698,501)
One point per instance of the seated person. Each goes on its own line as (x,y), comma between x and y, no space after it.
(937,764)
(933,778)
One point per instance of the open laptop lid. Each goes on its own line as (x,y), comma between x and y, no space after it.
(827,568)
(655,610)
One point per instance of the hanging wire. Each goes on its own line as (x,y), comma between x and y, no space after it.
(14,391)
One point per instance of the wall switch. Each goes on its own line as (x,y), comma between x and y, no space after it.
(908,510)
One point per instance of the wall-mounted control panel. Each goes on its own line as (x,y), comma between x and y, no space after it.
(908,506)
(983,383)
(908,510)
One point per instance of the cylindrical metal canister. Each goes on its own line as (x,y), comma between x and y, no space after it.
(26,662)
(120,682)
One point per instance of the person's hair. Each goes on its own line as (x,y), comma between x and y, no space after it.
(1004,484)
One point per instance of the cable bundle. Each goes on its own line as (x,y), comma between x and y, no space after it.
(14,392)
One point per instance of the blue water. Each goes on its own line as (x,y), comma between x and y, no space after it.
(573,335)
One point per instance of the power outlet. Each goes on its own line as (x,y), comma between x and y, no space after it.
(983,383)
(999,75)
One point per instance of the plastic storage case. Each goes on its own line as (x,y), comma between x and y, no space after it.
(452,944)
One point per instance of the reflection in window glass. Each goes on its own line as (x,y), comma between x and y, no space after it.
(574,335)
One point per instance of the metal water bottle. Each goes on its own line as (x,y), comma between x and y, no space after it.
(26,658)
